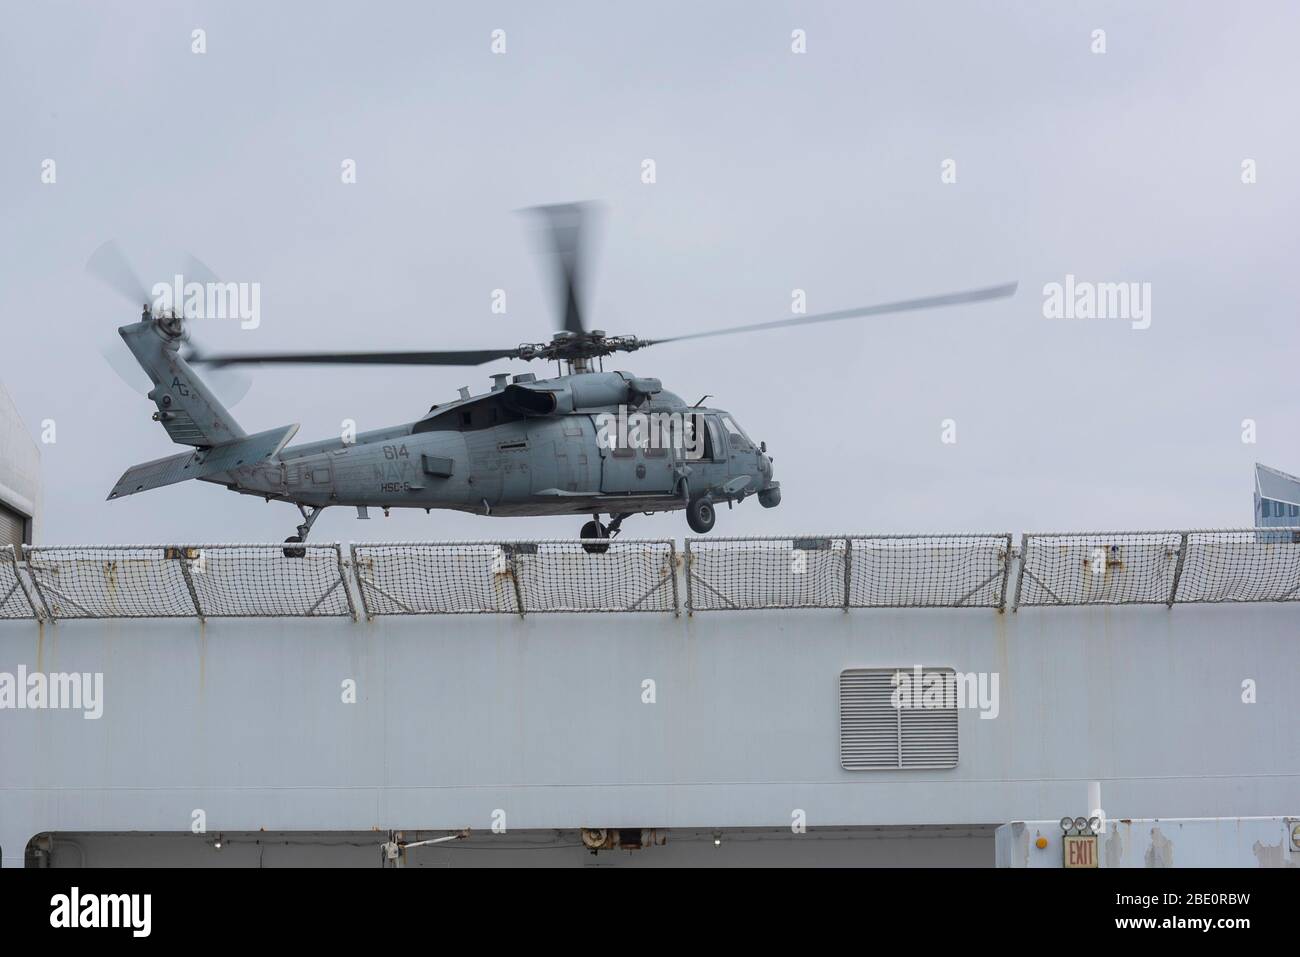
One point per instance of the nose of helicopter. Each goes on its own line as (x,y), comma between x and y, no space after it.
(769,495)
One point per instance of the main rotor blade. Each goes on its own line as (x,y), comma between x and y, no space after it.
(565,224)
(468,357)
(907,305)
(109,265)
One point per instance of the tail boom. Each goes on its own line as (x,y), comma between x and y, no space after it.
(201,463)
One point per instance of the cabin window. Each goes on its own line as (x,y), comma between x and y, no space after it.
(702,440)
(714,447)
(467,418)
(624,446)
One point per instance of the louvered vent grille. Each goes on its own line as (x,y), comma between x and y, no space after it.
(874,735)
(182,429)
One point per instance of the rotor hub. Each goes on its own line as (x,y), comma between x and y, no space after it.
(579,346)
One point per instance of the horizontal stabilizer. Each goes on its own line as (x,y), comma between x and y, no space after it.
(203,462)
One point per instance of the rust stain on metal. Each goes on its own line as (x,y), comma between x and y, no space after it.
(203,654)
(1161,851)
(1271,855)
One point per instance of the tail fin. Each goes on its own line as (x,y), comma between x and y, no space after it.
(190,413)
(187,409)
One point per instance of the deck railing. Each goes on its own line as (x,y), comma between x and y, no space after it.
(377,579)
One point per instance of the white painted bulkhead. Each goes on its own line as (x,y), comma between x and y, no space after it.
(540,722)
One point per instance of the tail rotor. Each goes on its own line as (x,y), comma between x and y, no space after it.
(109,265)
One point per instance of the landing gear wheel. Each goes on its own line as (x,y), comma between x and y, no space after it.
(594,529)
(309,515)
(294,552)
(700,515)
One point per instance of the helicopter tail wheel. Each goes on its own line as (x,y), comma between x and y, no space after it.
(700,515)
(294,552)
(594,529)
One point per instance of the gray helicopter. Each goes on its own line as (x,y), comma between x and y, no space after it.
(585,442)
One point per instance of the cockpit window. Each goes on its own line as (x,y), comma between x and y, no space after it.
(736,436)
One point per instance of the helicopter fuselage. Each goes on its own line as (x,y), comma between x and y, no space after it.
(587,443)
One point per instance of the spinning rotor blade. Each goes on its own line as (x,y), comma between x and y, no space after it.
(565,224)
(465,357)
(227,385)
(196,271)
(109,265)
(907,305)
(124,364)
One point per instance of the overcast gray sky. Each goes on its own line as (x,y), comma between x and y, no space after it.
(775,171)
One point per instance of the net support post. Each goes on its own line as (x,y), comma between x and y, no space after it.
(28,555)
(848,572)
(181,557)
(19,584)
(343,580)
(672,570)
(514,576)
(1178,570)
(1020,574)
(361,583)
(1006,574)
(687,558)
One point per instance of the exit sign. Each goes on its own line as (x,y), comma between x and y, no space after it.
(1080,850)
